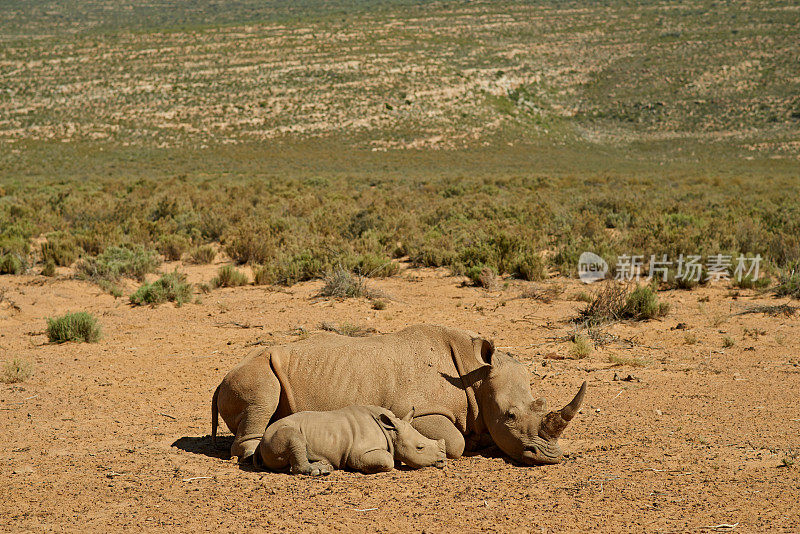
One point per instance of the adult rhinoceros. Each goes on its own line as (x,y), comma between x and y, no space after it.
(458,384)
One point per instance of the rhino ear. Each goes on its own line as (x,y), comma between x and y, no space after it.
(387,422)
(409,416)
(484,350)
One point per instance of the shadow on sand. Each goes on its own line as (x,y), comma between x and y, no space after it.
(202,445)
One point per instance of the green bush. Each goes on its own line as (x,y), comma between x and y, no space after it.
(264,275)
(49,269)
(375,266)
(642,303)
(788,285)
(170,287)
(61,250)
(299,267)
(529,266)
(615,301)
(116,262)
(204,254)
(14,244)
(173,246)
(78,326)
(228,276)
(747,282)
(11,263)
(249,247)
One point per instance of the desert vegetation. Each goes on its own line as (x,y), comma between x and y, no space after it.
(77,326)
(170,287)
(697,156)
(280,168)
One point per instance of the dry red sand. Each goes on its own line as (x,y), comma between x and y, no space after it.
(114,435)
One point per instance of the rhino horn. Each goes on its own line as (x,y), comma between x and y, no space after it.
(554,423)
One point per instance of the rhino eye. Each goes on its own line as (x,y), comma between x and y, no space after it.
(420,447)
(511,415)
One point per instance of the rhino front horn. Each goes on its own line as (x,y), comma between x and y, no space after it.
(554,423)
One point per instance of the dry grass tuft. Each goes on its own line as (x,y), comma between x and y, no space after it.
(616,301)
(580,347)
(545,294)
(341,283)
(203,255)
(16,370)
(785,310)
(228,276)
(347,329)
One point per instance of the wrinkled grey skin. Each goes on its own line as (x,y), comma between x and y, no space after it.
(464,391)
(365,438)
(519,424)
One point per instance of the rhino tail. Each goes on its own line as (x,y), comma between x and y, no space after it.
(286,387)
(214,416)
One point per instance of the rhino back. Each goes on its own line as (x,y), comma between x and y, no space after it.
(411,368)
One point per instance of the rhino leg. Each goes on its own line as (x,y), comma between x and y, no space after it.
(295,450)
(438,427)
(373,462)
(247,407)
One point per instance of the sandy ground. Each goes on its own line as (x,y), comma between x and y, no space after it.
(115,435)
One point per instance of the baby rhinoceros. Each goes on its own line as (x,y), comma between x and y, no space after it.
(364,438)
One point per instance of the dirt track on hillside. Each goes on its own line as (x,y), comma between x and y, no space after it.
(115,435)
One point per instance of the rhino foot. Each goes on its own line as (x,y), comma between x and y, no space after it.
(316,469)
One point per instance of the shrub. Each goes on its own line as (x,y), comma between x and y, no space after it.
(49,269)
(298,268)
(78,326)
(431,256)
(249,247)
(747,282)
(340,283)
(607,304)
(173,246)
(582,296)
(14,244)
(264,275)
(204,254)
(11,263)
(529,266)
(16,370)
(482,276)
(642,303)
(728,342)
(684,282)
(375,266)
(170,287)
(378,304)
(116,262)
(488,279)
(615,301)
(789,284)
(228,276)
(60,250)
(689,338)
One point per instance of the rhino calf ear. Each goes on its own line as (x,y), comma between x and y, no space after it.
(387,422)
(484,350)
(409,416)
